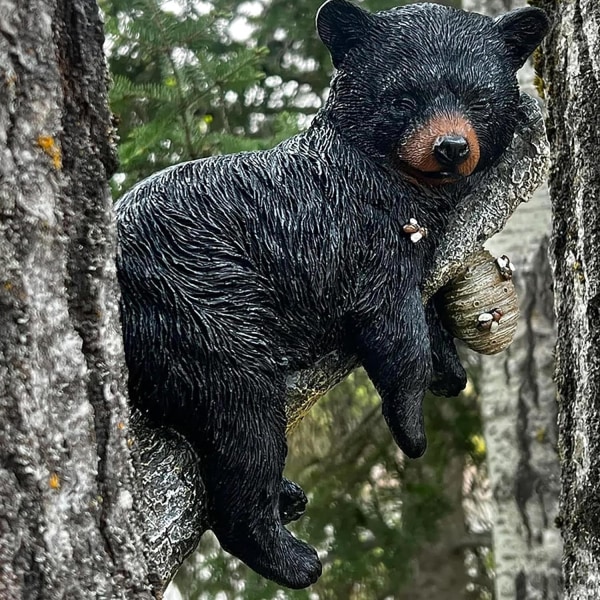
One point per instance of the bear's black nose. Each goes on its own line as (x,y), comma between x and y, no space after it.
(451,150)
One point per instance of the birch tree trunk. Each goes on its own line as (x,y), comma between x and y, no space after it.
(570,67)
(518,403)
(76,520)
(518,400)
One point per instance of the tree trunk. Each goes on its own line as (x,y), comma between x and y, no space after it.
(518,400)
(76,521)
(67,527)
(570,69)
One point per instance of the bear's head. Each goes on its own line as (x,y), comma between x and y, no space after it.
(427,90)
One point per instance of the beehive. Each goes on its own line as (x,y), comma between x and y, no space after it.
(480,306)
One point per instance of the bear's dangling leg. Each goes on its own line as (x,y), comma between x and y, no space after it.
(242,458)
(394,349)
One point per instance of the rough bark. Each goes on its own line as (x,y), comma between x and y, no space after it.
(570,67)
(67,526)
(75,520)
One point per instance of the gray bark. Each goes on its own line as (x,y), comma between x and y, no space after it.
(570,67)
(76,520)
(67,524)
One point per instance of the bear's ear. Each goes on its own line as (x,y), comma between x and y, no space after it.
(523,30)
(341,26)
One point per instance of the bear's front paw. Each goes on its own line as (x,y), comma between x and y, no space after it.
(292,501)
(450,383)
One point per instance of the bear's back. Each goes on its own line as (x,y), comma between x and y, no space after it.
(243,255)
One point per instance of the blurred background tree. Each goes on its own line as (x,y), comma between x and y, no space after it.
(193,79)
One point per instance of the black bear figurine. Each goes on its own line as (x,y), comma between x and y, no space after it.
(238,271)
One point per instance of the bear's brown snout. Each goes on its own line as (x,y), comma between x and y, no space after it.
(442,150)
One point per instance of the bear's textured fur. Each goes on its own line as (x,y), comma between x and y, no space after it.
(238,271)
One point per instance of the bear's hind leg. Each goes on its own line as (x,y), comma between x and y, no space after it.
(449,376)
(242,464)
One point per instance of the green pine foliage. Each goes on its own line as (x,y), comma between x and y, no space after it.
(181,89)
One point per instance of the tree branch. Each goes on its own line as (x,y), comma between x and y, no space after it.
(479,216)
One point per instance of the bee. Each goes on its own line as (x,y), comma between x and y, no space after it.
(490,320)
(505,267)
(416,232)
